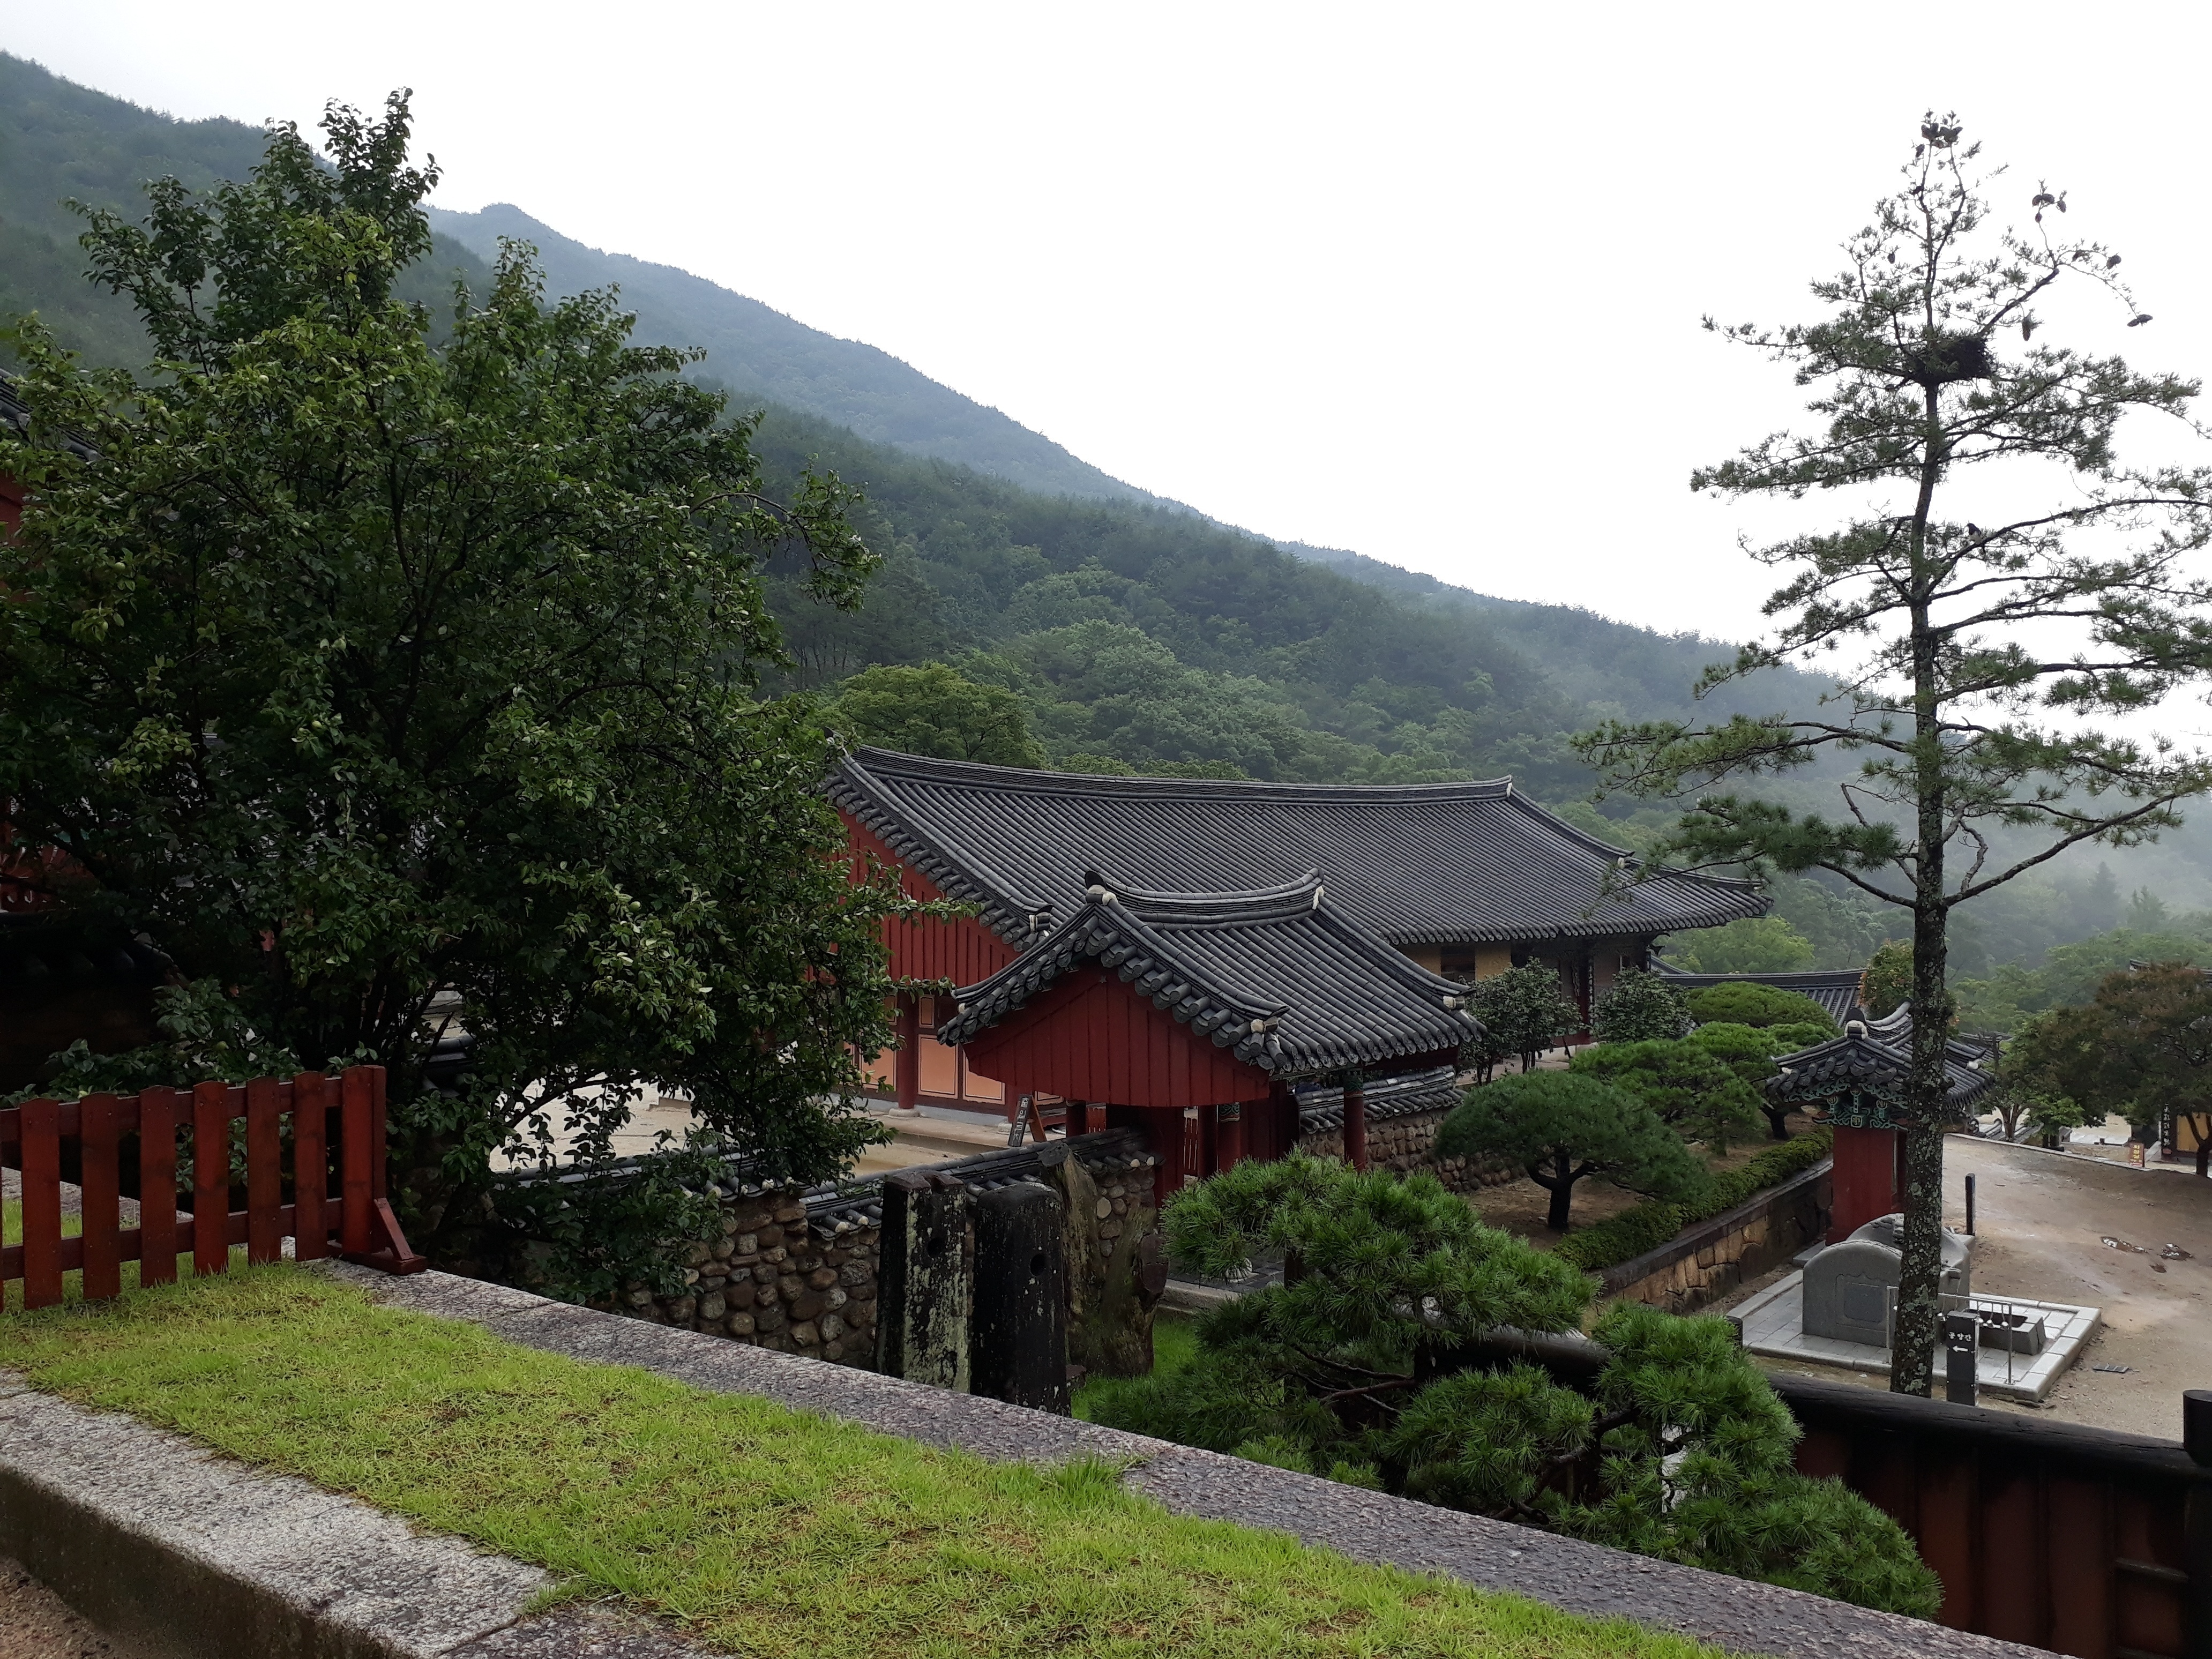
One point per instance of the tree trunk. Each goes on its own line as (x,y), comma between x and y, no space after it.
(1562,1197)
(1919,1316)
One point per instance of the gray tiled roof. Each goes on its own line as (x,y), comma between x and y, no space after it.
(1280,977)
(1836,990)
(1449,863)
(1321,1106)
(1873,1060)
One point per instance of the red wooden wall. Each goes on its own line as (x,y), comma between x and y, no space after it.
(960,951)
(1092,1038)
(11,504)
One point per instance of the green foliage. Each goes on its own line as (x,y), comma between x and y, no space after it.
(2053,1056)
(1638,1008)
(1751,944)
(1684,1083)
(1366,1364)
(1647,1226)
(2142,1049)
(1561,1127)
(360,664)
(1522,1011)
(1743,1003)
(935,710)
(1750,1053)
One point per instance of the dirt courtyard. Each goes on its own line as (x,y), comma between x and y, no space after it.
(2041,1220)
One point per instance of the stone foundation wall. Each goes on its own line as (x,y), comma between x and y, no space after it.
(773,1281)
(1711,1259)
(1405,1145)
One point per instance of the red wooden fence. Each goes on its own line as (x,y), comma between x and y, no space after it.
(336,1181)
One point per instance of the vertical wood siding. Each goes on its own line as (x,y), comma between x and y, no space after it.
(961,952)
(1092,1038)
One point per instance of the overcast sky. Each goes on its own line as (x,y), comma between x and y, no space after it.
(1423,282)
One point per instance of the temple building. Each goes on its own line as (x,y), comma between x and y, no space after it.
(1336,923)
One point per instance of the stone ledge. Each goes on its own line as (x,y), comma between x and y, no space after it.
(147,1535)
(1366,1525)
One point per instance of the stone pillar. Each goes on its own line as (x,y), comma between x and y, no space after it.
(924,1279)
(1229,1134)
(906,1074)
(1355,1120)
(1017,1341)
(1866,1179)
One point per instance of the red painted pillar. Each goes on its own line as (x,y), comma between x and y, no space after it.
(1229,1135)
(1209,1141)
(1355,1122)
(1866,1183)
(1163,1134)
(905,1071)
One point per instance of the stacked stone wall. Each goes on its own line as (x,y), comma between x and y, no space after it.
(776,1280)
(1408,1144)
(773,1281)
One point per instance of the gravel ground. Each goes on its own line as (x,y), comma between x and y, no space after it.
(37,1624)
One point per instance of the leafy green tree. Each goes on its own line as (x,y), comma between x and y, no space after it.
(1979,759)
(1523,1011)
(1745,1003)
(2038,1070)
(935,710)
(1639,1006)
(364,660)
(1695,1093)
(1750,944)
(1369,1364)
(1562,1127)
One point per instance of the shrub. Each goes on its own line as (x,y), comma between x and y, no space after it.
(1522,1011)
(1742,1003)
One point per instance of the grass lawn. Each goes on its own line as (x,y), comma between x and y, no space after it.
(754,1528)
(1175,1344)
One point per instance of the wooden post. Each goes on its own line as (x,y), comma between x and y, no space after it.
(211,1177)
(1865,1179)
(98,1116)
(1209,1142)
(157,1187)
(311,1167)
(1229,1134)
(1355,1120)
(2197,1521)
(906,1065)
(40,1121)
(358,1194)
(264,1172)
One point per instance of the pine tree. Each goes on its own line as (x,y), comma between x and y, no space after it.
(1982,651)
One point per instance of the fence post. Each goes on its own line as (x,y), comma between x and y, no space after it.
(41,1123)
(157,1187)
(211,1177)
(356,1120)
(99,1136)
(264,1172)
(311,1167)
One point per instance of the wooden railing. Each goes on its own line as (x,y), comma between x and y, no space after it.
(336,1181)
